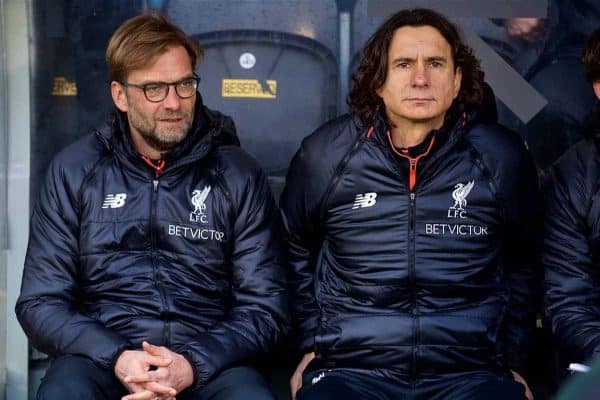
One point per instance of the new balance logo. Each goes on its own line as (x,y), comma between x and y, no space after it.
(114,200)
(364,200)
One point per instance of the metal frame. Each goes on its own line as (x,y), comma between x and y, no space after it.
(15,31)
(3,202)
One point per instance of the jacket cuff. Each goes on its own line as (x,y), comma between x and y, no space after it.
(112,362)
(196,384)
(515,364)
(189,355)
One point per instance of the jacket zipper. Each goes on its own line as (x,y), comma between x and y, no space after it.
(412,281)
(335,179)
(154,258)
(412,162)
(411,244)
(412,181)
(412,176)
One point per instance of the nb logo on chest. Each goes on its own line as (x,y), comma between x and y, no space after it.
(114,200)
(365,200)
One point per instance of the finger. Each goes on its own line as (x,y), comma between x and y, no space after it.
(151,376)
(155,350)
(134,387)
(308,357)
(528,393)
(157,361)
(160,389)
(143,395)
(295,385)
(305,363)
(295,382)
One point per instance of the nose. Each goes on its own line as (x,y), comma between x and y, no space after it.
(172,101)
(420,78)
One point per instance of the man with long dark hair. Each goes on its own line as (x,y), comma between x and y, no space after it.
(409,231)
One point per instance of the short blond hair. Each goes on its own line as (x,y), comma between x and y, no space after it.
(141,39)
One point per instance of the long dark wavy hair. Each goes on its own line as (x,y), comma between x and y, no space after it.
(372,71)
(591,57)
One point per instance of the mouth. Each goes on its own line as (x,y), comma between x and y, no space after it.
(420,101)
(170,120)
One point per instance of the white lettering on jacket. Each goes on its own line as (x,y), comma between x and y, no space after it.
(196,233)
(456,229)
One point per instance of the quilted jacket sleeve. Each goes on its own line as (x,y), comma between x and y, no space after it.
(302,244)
(571,281)
(47,307)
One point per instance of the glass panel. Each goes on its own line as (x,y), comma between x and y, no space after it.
(294,61)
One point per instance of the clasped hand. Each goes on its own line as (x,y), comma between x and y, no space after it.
(153,373)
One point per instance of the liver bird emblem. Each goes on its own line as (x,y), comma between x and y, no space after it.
(460,193)
(198,199)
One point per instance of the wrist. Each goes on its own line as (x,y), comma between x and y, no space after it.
(191,374)
(117,356)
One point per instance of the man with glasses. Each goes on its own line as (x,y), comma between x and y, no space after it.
(153,264)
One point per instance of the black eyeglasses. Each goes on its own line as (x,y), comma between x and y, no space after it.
(158,91)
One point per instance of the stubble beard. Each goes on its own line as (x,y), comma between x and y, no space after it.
(160,138)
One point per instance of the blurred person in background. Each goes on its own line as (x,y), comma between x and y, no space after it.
(571,250)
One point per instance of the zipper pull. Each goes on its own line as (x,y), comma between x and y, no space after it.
(412,179)
(155,184)
(413,164)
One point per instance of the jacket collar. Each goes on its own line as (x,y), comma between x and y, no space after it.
(450,132)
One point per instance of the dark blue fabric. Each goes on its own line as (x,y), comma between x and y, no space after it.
(102,275)
(79,378)
(366,385)
(571,252)
(238,383)
(405,283)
